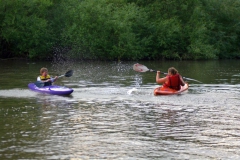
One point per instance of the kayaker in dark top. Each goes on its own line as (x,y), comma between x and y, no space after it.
(173,79)
(45,77)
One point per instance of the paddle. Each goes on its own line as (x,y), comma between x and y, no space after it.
(67,74)
(141,68)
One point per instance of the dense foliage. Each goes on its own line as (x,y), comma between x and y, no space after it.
(120,29)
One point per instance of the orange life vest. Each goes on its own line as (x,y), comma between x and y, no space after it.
(173,82)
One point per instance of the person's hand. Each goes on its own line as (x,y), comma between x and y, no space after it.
(158,72)
(54,79)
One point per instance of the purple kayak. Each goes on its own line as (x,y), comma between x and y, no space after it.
(53,89)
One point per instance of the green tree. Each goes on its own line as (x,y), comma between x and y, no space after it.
(120,29)
(24,29)
(105,29)
(226,30)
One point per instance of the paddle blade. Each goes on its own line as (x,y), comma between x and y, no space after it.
(140,68)
(69,73)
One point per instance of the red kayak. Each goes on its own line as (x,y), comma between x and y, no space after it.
(169,91)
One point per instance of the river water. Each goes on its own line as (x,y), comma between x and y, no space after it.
(113,114)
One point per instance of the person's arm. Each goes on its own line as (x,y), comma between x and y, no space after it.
(158,79)
(54,79)
(182,81)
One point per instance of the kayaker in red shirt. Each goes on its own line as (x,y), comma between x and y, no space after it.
(173,79)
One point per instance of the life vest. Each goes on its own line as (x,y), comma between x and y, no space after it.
(43,78)
(173,82)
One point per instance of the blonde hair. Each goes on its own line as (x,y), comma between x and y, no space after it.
(43,70)
(172,70)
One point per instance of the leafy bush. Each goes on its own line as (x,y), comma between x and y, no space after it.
(120,29)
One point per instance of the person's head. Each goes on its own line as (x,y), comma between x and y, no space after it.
(44,71)
(172,71)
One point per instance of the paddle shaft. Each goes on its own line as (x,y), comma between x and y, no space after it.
(141,68)
(67,74)
(151,70)
(182,76)
(61,76)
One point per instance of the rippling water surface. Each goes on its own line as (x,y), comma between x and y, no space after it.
(113,114)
